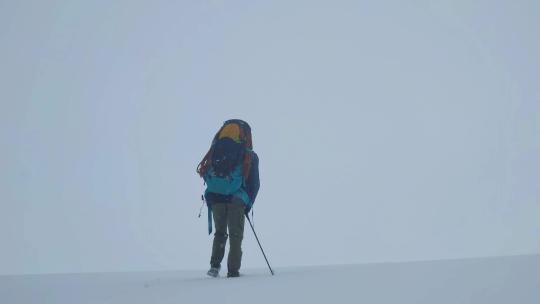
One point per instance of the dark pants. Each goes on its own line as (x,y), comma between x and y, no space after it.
(231,216)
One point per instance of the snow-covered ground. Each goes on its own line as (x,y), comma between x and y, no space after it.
(482,280)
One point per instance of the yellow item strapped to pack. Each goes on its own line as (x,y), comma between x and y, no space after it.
(231,131)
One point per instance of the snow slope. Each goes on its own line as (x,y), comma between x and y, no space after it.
(482,280)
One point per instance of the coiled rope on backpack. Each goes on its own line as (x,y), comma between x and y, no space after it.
(246,139)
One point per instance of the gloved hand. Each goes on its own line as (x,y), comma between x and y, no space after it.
(247,209)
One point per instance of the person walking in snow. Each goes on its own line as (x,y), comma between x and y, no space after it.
(230,170)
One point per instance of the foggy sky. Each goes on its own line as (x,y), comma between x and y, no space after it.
(386,131)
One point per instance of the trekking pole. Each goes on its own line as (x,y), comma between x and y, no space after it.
(200,210)
(253,229)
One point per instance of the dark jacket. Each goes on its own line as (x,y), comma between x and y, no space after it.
(253,183)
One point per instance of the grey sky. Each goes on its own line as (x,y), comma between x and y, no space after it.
(386,130)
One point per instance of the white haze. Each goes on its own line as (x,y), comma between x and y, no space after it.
(387,130)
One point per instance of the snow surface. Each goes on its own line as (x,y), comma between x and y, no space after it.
(483,280)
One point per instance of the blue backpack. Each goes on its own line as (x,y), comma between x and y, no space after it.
(225,165)
(225,175)
(224,185)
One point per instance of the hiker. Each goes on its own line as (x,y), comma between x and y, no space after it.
(230,170)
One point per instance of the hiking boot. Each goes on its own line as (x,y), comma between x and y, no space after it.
(233,274)
(213,272)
